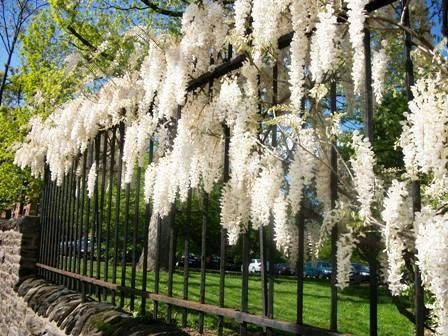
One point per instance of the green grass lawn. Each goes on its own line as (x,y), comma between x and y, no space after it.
(353,302)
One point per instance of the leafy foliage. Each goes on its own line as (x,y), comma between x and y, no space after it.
(15,184)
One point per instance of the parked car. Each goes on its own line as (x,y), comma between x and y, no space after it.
(309,270)
(317,269)
(65,246)
(233,267)
(85,245)
(324,270)
(282,269)
(359,273)
(255,266)
(193,261)
(212,262)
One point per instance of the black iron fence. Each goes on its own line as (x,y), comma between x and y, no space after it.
(99,244)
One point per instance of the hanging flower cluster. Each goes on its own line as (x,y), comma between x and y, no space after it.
(285,231)
(323,177)
(364,177)
(356,19)
(301,169)
(398,219)
(379,68)
(152,71)
(31,153)
(91,180)
(323,45)
(425,136)
(267,28)
(345,246)
(242,11)
(264,192)
(300,16)
(432,253)
(68,130)
(135,144)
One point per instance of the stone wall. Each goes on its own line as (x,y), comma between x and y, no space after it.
(30,306)
(19,244)
(64,308)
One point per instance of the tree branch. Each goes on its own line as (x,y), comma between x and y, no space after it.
(402,310)
(6,25)
(81,38)
(86,42)
(406,313)
(159,10)
(110,6)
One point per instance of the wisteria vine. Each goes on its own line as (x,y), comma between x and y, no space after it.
(268,184)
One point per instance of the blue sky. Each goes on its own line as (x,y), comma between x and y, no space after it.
(436,30)
(4,55)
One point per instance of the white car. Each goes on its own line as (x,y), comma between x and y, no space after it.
(255,266)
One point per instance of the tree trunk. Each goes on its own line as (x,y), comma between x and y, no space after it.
(7,65)
(152,244)
(5,77)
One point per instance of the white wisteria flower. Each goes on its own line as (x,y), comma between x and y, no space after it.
(263,194)
(432,253)
(356,19)
(323,175)
(301,169)
(151,73)
(234,214)
(398,219)
(299,50)
(345,246)
(150,175)
(242,11)
(424,136)
(379,68)
(284,230)
(91,180)
(323,44)
(364,177)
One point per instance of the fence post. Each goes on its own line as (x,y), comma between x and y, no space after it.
(71,215)
(245,281)
(334,230)
(109,207)
(95,214)
(186,274)
(157,267)
(172,256)
(148,214)
(205,204)
(117,207)
(102,187)
(270,230)
(415,187)
(125,241)
(223,234)
(44,218)
(81,228)
(300,221)
(368,124)
(134,235)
